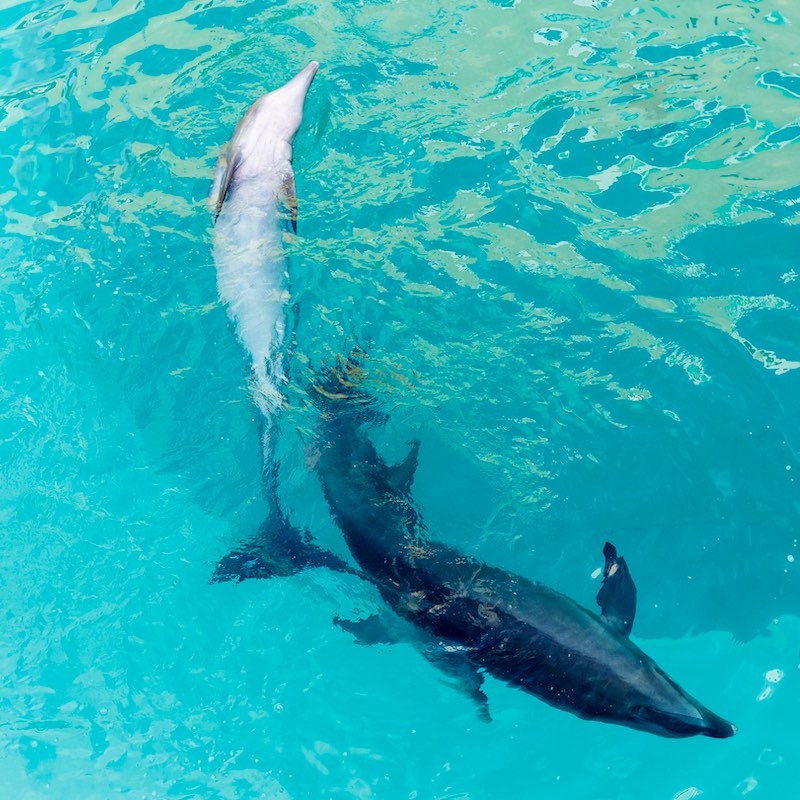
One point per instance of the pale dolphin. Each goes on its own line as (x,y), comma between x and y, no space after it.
(252,198)
(254,181)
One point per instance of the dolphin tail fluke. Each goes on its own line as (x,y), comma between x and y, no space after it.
(278,550)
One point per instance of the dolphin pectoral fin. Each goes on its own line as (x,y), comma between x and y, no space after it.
(290,198)
(617,595)
(369,631)
(402,475)
(219,176)
(226,168)
(463,675)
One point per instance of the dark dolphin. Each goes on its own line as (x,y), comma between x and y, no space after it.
(469,618)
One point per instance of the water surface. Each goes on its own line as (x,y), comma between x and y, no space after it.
(567,235)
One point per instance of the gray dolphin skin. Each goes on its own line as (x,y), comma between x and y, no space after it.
(252,197)
(472,618)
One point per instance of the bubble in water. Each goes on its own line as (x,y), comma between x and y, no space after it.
(771,677)
(747,785)
(774,676)
(688,794)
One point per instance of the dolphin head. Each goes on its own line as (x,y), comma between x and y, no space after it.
(698,722)
(660,706)
(259,155)
(263,139)
(280,112)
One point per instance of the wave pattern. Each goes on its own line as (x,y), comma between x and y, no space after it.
(568,241)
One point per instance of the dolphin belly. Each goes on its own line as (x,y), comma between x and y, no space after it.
(253,283)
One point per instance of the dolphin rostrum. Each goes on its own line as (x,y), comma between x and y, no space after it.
(254,183)
(469,618)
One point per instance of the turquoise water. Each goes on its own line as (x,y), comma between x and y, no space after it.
(567,234)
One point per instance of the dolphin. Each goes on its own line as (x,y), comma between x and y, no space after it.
(252,198)
(471,618)
(254,178)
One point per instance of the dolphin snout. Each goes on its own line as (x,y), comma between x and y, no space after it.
(718,728)
(303,79)
(701,723)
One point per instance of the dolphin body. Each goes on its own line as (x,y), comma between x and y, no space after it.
(472,618)
(254,179)
(253,189)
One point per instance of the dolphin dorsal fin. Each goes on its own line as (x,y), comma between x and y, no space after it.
(402,475)
(617,595)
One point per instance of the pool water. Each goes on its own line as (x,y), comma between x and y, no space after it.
(567,236)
